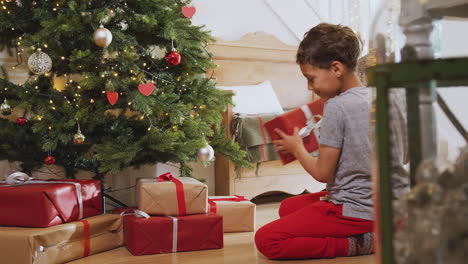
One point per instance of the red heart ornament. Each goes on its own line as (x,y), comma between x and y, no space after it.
(188,11)
(112,97)
(146,89)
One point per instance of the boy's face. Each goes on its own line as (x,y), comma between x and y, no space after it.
(323,82)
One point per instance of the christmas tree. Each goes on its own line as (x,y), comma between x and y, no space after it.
(135,91)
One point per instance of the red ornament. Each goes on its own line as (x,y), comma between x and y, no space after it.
(49,160)
(112,97)
(146,88)
(173,58)
(188,11)
(21,121)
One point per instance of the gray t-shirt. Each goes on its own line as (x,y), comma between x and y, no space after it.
(345,125)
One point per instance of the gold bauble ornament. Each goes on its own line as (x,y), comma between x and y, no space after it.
(102,37)
(39,62)
(78,138)
(206,153)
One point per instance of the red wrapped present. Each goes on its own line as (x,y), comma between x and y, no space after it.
(48,203)
(167,234)
(307,118)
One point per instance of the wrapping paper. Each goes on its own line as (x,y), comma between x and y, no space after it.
(166,197)
(166,234)
(49,204)
(60,243)
(238,213)
(297,118)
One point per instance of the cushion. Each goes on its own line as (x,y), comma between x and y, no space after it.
(254,99)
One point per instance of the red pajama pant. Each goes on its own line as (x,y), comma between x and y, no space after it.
(309,228)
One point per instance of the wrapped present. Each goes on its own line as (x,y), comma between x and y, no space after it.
(238,213)
(307,118)
(167,234)
(60,243)
(31,203)
(168,195)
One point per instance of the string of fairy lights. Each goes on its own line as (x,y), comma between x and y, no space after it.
(147,70)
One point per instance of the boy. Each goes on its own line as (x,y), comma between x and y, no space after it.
(337,222)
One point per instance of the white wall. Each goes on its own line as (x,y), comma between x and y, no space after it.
(230,20)
(454,37)
(453,43)
(287,20)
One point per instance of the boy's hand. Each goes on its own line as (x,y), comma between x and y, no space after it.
(288,144)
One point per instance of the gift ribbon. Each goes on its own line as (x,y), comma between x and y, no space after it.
(20,178)
(175,227)
(86,238)
(311,125)
(135,212)
(179,190)
(262,147)
(212,203)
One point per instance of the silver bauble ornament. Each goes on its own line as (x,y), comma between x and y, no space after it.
(102,37)
(39,62)
(206,153)
(5,108)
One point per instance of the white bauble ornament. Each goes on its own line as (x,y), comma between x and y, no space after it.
(206,153)
(5,109)
(102,37)
(39,62)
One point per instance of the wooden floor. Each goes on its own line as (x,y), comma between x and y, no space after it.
(239,248)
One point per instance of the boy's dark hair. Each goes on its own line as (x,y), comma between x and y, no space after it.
(326,43)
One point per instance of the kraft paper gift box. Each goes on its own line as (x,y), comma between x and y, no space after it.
(48,203)
(167,234)
(168,195)
(60,243)
(238,213)
(306,118)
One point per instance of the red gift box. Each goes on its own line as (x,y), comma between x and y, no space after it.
(300,117)
(49,203)
(167,234)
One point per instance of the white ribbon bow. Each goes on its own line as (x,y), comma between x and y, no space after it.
(311,125)
(21,178)
(18,178)
(135,212)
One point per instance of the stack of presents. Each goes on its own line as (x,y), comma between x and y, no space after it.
(56,221)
